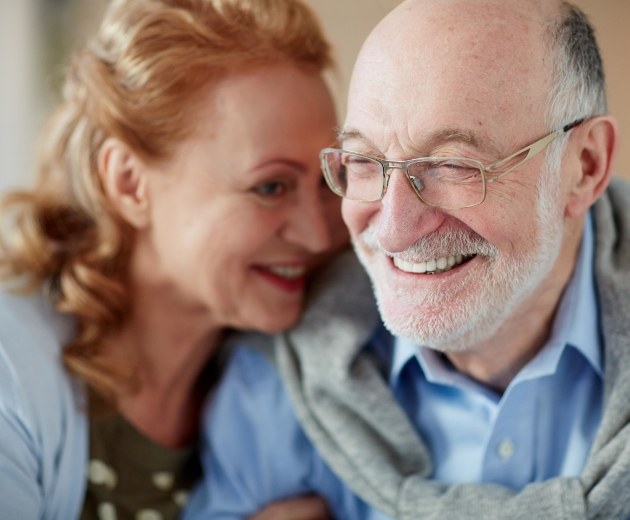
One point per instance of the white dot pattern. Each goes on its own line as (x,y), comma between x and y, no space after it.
(163,480)
(107,511)
(100,473)
(148,514)
(130,477)
(180,498)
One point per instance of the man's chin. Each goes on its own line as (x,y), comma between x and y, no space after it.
(432,326)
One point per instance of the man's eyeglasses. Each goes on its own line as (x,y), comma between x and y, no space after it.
(443,182)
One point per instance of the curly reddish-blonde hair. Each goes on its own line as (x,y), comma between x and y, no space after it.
(133,81)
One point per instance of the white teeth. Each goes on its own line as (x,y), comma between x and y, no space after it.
(291,272)
(437,265)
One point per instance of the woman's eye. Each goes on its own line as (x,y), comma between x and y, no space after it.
(270,189)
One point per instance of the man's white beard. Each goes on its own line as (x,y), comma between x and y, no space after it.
(454,318)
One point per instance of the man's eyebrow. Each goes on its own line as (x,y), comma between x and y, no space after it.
(435,139)
(484,144)
(450,135)
(350,133)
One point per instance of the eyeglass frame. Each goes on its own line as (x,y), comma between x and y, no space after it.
(532,150)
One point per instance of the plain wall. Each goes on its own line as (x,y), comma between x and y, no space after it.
(611,19)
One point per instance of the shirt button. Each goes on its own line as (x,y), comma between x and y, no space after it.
(506,449)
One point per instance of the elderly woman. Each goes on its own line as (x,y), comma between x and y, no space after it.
(179,196)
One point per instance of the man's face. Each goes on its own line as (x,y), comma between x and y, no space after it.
(467,82)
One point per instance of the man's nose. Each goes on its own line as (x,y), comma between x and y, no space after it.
(403,218)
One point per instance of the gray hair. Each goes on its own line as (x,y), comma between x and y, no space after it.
(579,89)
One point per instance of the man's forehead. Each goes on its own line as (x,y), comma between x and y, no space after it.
(448,26)
(421,74)
(475,9)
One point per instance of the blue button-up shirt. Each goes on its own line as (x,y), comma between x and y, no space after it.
(541,426)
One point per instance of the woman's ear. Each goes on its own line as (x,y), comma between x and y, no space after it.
(595,146)
(123,175)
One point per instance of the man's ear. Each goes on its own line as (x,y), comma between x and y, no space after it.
(595,146)
(123,175)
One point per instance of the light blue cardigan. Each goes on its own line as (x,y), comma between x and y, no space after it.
(43,428)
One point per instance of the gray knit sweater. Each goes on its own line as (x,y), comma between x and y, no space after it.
(348,411)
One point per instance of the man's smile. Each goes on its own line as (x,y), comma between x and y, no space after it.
(432,266)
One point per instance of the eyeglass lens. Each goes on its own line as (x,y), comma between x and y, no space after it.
(445,182)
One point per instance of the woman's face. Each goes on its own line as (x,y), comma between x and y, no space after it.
(240,214)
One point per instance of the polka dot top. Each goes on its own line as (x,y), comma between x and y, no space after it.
(130,477)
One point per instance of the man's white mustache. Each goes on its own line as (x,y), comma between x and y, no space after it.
(439,243)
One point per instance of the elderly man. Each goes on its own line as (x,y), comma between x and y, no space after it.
(475,165)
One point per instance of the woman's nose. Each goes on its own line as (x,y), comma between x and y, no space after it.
(309,224)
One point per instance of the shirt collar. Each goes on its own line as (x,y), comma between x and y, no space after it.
(576,325)
(577,319)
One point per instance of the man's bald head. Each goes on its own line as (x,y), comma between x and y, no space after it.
(492,35)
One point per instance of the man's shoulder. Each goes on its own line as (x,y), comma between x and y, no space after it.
(612,274)
(250,393)
(253,368)
(620,183)
(612,228)
(616,195)
(250,424)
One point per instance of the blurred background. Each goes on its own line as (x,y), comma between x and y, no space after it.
(36,37)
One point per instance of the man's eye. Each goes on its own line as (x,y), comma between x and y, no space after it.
(270,189)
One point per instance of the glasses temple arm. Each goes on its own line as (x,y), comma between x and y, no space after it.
(571,126)
(532,150)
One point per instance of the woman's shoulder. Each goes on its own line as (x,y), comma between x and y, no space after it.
(43,443)
(33,380)
(32,332)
